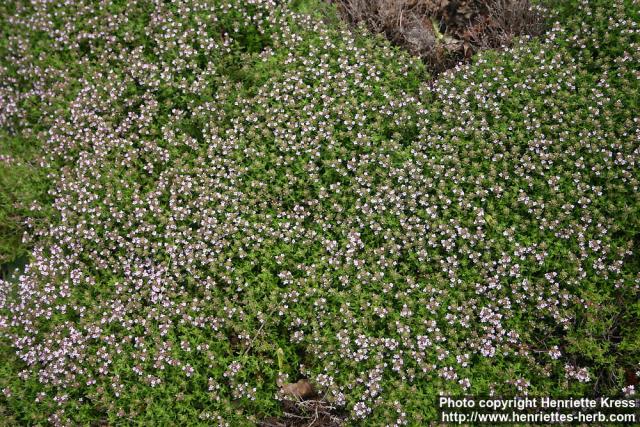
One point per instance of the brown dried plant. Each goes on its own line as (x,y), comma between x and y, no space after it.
(445,32)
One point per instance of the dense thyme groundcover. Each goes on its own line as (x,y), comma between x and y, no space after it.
(221,197)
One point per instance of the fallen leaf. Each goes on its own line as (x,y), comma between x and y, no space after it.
(301,389)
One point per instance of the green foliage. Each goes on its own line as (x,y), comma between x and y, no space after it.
(237,175)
